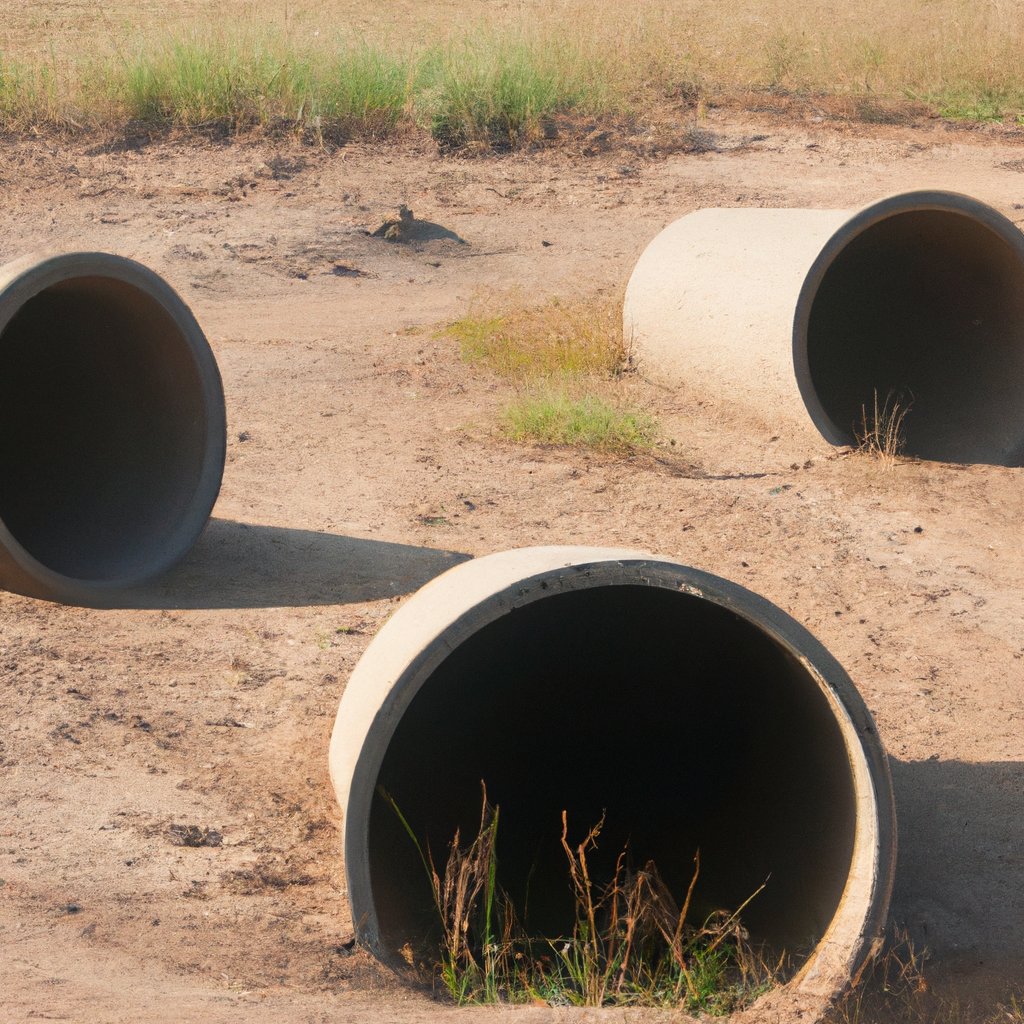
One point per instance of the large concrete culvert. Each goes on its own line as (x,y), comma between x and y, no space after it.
(112,426)
(807,314)
(692,711)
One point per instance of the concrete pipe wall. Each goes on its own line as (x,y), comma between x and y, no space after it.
(112,426)
(697,714)
(804,314)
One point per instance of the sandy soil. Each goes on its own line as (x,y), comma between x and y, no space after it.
(208,699)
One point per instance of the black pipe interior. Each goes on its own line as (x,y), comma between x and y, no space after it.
(926,306)
(102,428)
(688,725)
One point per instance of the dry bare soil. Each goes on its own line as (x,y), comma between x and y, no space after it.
(362,461)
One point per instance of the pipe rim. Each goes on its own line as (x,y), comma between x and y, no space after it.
(853,935)
(23,279)
(904,202)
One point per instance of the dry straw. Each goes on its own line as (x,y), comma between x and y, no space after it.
(881,434)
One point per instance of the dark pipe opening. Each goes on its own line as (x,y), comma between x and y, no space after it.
(102,428)
(926,306)
(683,721)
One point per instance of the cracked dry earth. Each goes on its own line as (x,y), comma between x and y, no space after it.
(168,838)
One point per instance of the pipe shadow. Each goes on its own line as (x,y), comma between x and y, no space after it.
(243,565)
(959,887)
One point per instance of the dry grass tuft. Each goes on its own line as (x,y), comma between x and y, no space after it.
(631,943)
(563,358)
(529,342)
(881,435)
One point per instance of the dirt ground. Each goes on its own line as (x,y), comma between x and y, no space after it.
(362,461)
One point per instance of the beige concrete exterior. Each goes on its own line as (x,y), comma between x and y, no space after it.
(804,317)
(710,304)
(450,609)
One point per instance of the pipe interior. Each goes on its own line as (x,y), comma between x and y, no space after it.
(686,724)
(926,306)
(102,428)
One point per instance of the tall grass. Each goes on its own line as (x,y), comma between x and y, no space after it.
(29,93)
(631,943)
(196,79)
(498,87)
(496,79)
(482,85)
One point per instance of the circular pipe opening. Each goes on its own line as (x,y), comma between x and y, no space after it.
(919,300)
(111,421)
(690,712)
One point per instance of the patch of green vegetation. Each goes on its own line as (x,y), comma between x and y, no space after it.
(498,87)
(555,417)
(562,355)
(976,104)
(557,338)
(478,87)
(499,79)
(28,92)
(630,945)
(193,80)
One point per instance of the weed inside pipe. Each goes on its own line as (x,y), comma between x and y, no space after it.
(882,435)
(631,943)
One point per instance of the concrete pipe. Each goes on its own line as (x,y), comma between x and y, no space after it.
(804,315)
(112,426)
(692,711)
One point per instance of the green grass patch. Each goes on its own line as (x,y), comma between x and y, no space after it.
(557,338)
(555,417)
(557,354)
(498,88)
(200,78)
(488,87)
(979,103)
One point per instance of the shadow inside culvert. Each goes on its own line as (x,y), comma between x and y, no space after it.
(959,887)
(243,565)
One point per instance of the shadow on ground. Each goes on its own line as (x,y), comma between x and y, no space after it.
(242,565)
(959,887)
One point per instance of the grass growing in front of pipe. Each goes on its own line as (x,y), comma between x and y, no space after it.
(559,337)
(631,944)
(336,67)
(560,355)
(881,434)
(556,417)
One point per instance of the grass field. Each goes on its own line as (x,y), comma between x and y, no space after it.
(472,73)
